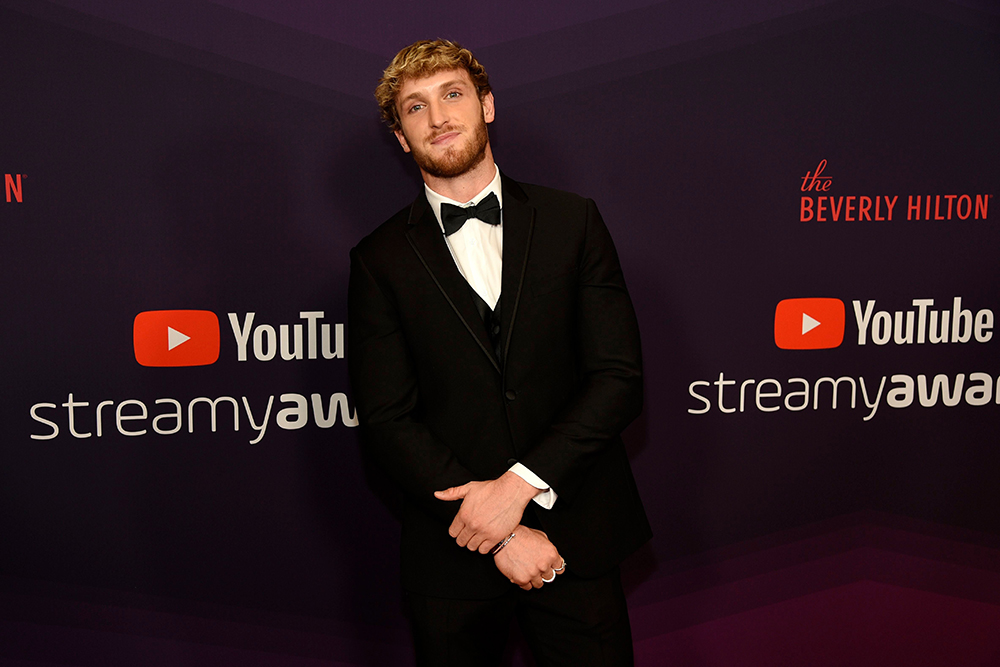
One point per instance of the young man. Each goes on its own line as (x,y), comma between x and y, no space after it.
(495,360)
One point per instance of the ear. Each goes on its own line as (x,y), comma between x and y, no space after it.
(488,109)
(402,140)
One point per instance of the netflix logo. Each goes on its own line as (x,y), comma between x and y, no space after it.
(13,187)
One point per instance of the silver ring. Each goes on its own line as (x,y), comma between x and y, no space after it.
(549,581)
(561,568)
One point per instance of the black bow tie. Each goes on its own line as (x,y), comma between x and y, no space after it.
(487,210)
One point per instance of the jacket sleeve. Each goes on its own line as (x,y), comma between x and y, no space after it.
(387,397)
(609,395)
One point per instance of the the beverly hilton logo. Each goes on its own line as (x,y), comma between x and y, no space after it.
(817,206)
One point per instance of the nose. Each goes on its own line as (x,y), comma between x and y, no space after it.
(437,114)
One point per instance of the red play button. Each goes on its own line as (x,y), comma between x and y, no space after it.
(176,338)
(809,324)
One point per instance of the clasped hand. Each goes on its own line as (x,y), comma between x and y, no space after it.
(529,559)
(490,510)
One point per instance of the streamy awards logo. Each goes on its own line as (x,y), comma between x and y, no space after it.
(186,338)
(820,323)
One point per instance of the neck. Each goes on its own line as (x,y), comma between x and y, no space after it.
(464,186)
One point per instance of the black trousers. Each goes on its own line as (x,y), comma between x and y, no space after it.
(572,622)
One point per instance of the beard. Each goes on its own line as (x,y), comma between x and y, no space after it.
(455,161)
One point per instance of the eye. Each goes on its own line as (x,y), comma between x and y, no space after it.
(415,108)
(452,94)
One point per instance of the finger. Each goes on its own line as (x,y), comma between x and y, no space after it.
(463,538)
(482,543)
(456,527)
(526,586)
(452,493)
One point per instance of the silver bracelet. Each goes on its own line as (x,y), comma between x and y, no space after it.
(501,545)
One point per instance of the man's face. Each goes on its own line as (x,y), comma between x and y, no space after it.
(443,122)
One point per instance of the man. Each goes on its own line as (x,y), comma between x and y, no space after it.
(495,360)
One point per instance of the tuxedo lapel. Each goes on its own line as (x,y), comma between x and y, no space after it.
(428,242)
(518,224)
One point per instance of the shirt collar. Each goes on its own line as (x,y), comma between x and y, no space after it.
(436,200)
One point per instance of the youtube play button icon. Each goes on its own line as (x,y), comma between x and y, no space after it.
(176,338)
(809,324)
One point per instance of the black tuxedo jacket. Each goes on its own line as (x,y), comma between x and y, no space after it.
(437,409)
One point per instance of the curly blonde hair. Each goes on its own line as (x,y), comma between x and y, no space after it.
(421,59)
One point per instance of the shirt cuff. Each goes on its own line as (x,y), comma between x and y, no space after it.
(546,496)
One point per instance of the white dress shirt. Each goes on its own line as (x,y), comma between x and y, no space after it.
(477,249)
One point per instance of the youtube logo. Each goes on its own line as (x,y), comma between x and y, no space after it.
(809,324)
(176,338)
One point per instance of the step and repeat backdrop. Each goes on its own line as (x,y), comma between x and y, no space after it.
(802,194)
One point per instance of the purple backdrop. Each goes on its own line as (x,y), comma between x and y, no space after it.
(224,156)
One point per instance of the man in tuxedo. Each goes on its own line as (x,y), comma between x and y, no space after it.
(495,361)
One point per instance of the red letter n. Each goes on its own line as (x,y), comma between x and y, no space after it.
(13,187)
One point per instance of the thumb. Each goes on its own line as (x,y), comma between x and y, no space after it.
(454,493)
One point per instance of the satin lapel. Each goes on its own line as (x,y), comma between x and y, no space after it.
(428,242)
(518,223)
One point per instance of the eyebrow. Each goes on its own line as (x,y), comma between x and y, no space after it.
(447,84)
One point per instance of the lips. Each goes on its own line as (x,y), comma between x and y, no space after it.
(444,138)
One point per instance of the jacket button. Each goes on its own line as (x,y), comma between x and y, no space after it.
(511,462)
(511,394)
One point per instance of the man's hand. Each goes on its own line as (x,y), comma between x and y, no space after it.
(529,558)
(490,510)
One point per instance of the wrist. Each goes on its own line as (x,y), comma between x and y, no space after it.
(523,491)
(521,531)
